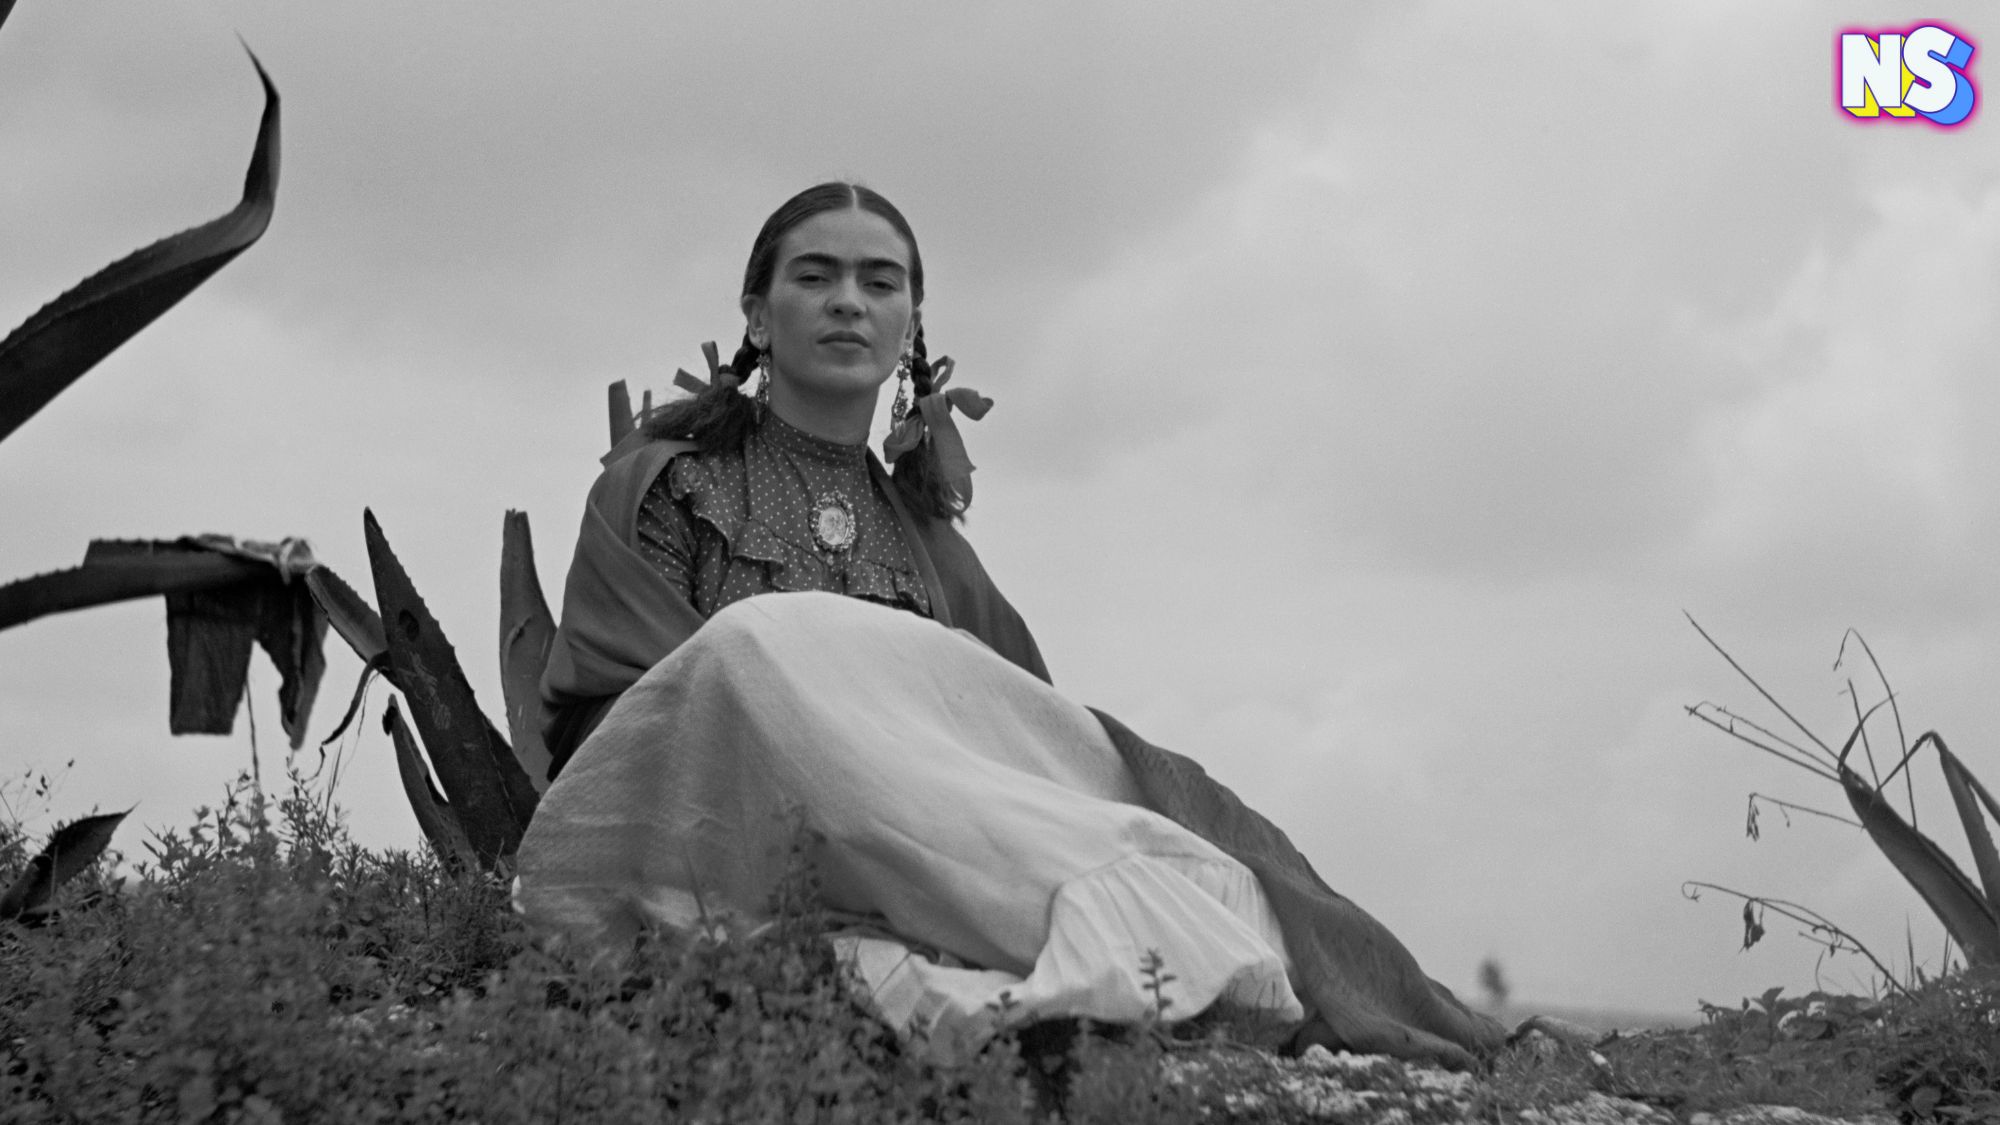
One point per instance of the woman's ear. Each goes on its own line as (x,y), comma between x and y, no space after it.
(910,333)
(755,311)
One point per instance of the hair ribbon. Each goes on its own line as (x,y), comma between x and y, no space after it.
(693,384)
(931,421)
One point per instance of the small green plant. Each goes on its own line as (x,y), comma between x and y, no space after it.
(265,968)
(72,849)
(29,883)
(1933,1046)
(1942,1055)
(1967,909)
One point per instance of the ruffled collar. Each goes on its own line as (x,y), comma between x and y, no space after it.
(754,499)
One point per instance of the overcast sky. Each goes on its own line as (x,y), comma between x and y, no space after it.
(1376,389)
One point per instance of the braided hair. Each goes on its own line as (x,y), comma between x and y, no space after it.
(721,417)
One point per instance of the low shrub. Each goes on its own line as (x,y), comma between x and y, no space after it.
(261,973)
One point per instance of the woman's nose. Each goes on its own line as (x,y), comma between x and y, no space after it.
(845,298)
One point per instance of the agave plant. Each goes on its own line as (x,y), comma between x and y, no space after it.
(69,335)
(219,593)
(486,789)
(222,595)
(71,850)
(1969,910)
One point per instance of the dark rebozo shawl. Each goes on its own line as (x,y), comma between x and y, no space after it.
(620,617)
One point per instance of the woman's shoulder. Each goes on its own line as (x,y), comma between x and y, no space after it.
(630,471)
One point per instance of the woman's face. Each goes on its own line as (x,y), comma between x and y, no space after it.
(839,311)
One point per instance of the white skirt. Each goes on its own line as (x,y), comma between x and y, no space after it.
(967,804)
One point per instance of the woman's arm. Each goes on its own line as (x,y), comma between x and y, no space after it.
(666,536)
(623,609)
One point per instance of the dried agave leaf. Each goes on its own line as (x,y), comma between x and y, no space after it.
(1938,880)
(69,335)
(71,850)
(434,815)
(527,628)
(113,575)
(359,625)
(222,596)
(1753,925)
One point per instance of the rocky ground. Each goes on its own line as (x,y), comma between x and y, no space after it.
(1321,1086)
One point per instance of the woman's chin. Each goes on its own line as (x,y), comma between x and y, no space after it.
(835,383)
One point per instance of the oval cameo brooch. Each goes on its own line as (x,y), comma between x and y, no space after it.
(833,524)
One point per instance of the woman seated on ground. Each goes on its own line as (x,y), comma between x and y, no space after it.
(894,706)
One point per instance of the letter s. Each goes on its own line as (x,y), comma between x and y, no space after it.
(1936,57)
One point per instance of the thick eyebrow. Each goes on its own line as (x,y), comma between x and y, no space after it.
(828,261)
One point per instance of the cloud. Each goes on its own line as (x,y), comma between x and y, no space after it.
(1857,453)
(1371,401)
(1481,329)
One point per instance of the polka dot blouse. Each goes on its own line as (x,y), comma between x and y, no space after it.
(790,511)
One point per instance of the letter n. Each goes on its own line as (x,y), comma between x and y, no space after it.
(1871,75)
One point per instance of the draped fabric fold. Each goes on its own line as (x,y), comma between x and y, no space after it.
(960,801)
(621,619)
(1368,991)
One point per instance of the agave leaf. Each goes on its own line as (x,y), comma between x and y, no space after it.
(114,575)
(1966,793)
(526,630)
(349,613)
(434,816)
(493,797)
(72,849)
(359,625)
(621,412)
(369,670)
(54,347)
(1967,917)
(222,595)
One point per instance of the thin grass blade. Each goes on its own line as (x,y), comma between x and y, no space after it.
(1895,709)
(1966,915)
(1729,728)
(71,850)
(527,628)
(69,335)
(1752,680)
(435,816)
(1735,719)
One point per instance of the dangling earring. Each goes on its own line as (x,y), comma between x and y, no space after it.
(900,409)
(763,382)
